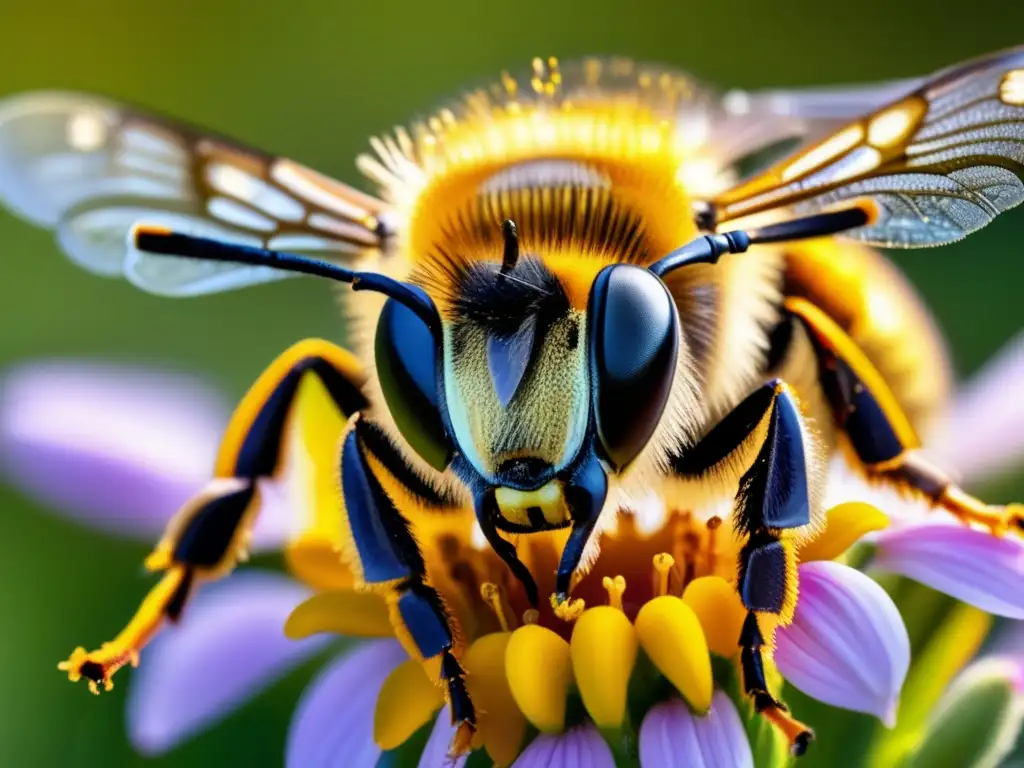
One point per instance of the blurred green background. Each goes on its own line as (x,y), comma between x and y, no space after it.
(312,79)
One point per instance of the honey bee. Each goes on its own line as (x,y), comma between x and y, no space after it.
(569,290)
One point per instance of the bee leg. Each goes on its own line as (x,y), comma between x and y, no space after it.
(209,534)
(880,433)
(386,556)
(773,502)
(585,494)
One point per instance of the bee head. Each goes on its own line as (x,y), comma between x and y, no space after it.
(521,381)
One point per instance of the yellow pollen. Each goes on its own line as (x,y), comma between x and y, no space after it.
(615,589)
(491,593)
(662,567)
(531,616)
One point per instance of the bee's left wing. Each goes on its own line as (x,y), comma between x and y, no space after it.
(90,169)
(930,166)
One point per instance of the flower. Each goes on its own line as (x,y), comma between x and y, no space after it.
(647,666)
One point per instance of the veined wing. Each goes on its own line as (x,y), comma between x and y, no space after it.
(90,169)
(931,166)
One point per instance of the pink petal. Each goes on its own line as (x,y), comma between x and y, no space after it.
(435,754)
(847,645)
(578,746)
(984,432)
(333,725)
(969,564)
(116,447)
(673,737)
(229,646)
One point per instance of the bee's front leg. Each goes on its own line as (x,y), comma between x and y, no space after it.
(775,503)
(880,433)
(385,556)
(209,535)
(585,492)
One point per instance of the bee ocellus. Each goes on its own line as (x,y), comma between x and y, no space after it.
(571,290)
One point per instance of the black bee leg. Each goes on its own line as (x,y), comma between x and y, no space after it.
(880,433)
(384,553)
(774,503)
(209,534)
(487,513)
(585,492)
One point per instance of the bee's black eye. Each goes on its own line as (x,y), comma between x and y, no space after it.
(633,348)
(406,355)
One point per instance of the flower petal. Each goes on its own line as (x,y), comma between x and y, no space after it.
(229,646)
(116,447)
(673,737)
(407,700)
(581,745)
(847,645)
(984,432)
(435,753)
(603,649)
(671,635)
(500,724)
(969,564)
(333,724)
(538,665)
(845,524)
(344,612)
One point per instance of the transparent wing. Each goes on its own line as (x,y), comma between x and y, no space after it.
(90,169)
(931,166)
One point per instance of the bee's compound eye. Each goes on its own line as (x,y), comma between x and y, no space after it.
(633,348)
(406,355)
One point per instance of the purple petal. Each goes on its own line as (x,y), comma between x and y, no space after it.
(673,737)
(229,646)
(435,754)
(984,432)
(971,565)
(333,724)
(582,745)
(847,645)
(117,447)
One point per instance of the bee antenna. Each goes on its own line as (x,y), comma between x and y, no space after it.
(165,242)
(510,257)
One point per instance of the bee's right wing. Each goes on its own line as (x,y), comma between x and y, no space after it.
(91,169)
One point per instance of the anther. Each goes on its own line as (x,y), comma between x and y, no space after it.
(531,616)
(615,588)
(663,564)
(491,593)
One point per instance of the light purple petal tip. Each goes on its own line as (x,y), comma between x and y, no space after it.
(582,745)
(971,565)
(435,754)
(118,447)
(673,737)
(984,432)
(230,645)
(847,645)
(333,725)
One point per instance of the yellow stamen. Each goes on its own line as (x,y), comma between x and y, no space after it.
(342,612)
(711,553)
(671,635)
(500,724)
(615,588)
(538,664)
(603,649)
(662,567)
(720,611)
(491,593)
(100,665)
(406,701)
